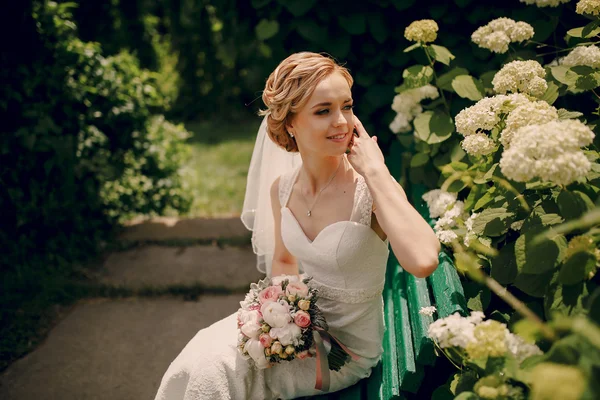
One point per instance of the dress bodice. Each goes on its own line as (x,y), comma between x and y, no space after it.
(347,259)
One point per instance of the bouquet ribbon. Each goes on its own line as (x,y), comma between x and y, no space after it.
(320,336)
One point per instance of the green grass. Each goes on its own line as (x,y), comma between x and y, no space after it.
(218,170)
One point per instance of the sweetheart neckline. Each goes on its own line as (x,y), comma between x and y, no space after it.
(311,242)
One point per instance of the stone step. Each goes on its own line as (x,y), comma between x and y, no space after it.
(227,267)
(112,349)
(173,228)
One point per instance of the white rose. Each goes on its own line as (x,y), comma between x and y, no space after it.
(276,314)
(257,352)
(252,329)
(287,334)
(248,316)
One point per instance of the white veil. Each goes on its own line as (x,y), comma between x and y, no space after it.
(268,162)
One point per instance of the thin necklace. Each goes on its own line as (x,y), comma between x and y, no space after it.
(309,213)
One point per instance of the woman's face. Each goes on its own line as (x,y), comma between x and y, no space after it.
(324,125)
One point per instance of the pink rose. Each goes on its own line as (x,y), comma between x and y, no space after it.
(303,354)
(302,319)
(298,289)
(265,339)
(271,293)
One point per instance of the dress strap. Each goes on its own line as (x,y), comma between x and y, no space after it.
(286,183)
(363,202)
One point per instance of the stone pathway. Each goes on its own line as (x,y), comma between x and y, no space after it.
(119,349)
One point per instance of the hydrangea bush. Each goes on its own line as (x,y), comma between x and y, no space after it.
(516,155)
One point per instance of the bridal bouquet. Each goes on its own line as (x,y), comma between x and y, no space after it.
(280,321)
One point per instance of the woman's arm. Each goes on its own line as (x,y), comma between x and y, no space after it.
(284,263)
(412,239)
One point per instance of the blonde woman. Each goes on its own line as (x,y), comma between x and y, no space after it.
(319,199)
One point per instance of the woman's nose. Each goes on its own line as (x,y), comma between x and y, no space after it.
(340,119)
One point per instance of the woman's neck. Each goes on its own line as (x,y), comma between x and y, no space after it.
(318,172)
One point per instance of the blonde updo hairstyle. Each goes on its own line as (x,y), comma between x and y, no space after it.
(288,89)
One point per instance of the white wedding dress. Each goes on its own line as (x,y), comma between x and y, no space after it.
(347,261)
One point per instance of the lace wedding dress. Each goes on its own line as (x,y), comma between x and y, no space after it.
(347,261)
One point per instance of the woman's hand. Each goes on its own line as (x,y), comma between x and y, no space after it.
(363,152)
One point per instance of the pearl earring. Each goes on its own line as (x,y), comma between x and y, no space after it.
(291,134)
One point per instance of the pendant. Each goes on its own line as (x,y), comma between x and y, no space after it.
(308,213)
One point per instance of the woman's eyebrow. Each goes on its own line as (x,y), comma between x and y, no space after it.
(328,103)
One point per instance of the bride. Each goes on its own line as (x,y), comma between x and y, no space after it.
(332,213)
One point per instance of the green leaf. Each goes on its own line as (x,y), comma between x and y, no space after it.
(417,76)
(564,75)
(444,81)
(421,123)
(478,297)
(487,176)
(493,222)
(311,31)
(540,258)
(534,285)
(441,127)
(468,87)
(485,200)
(266,29)
(567,299)
(577,268)
(572,204)
(590,28)
(419,159)
(566,114)
(504,265)
(440,53)
(551,93)
(588,82)
(585,32)
(297,7)
(339,46)
(487,78)
(354,24)
(378,27)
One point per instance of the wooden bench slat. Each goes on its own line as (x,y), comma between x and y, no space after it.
(390,387)
(447,289)
(409,374)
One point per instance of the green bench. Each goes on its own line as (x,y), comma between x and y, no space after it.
(407,348)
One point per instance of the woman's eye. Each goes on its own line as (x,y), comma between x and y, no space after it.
(322,112)
(349,107)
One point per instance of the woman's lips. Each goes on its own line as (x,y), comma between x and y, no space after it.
(340,140)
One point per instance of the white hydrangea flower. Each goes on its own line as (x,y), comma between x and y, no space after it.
(456,210)
(591,7)
(544,3)
(444,223)
(531,113)
(439,202)
(549,151)
(583,55)
(520,349)
(469,222)
(428,311)
(446,236)
(521,76)
(499,33)
(486,113)
(454,330)
(423,31)
(478,144)
(407,106)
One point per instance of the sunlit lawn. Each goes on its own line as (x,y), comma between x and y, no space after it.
(219,166)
